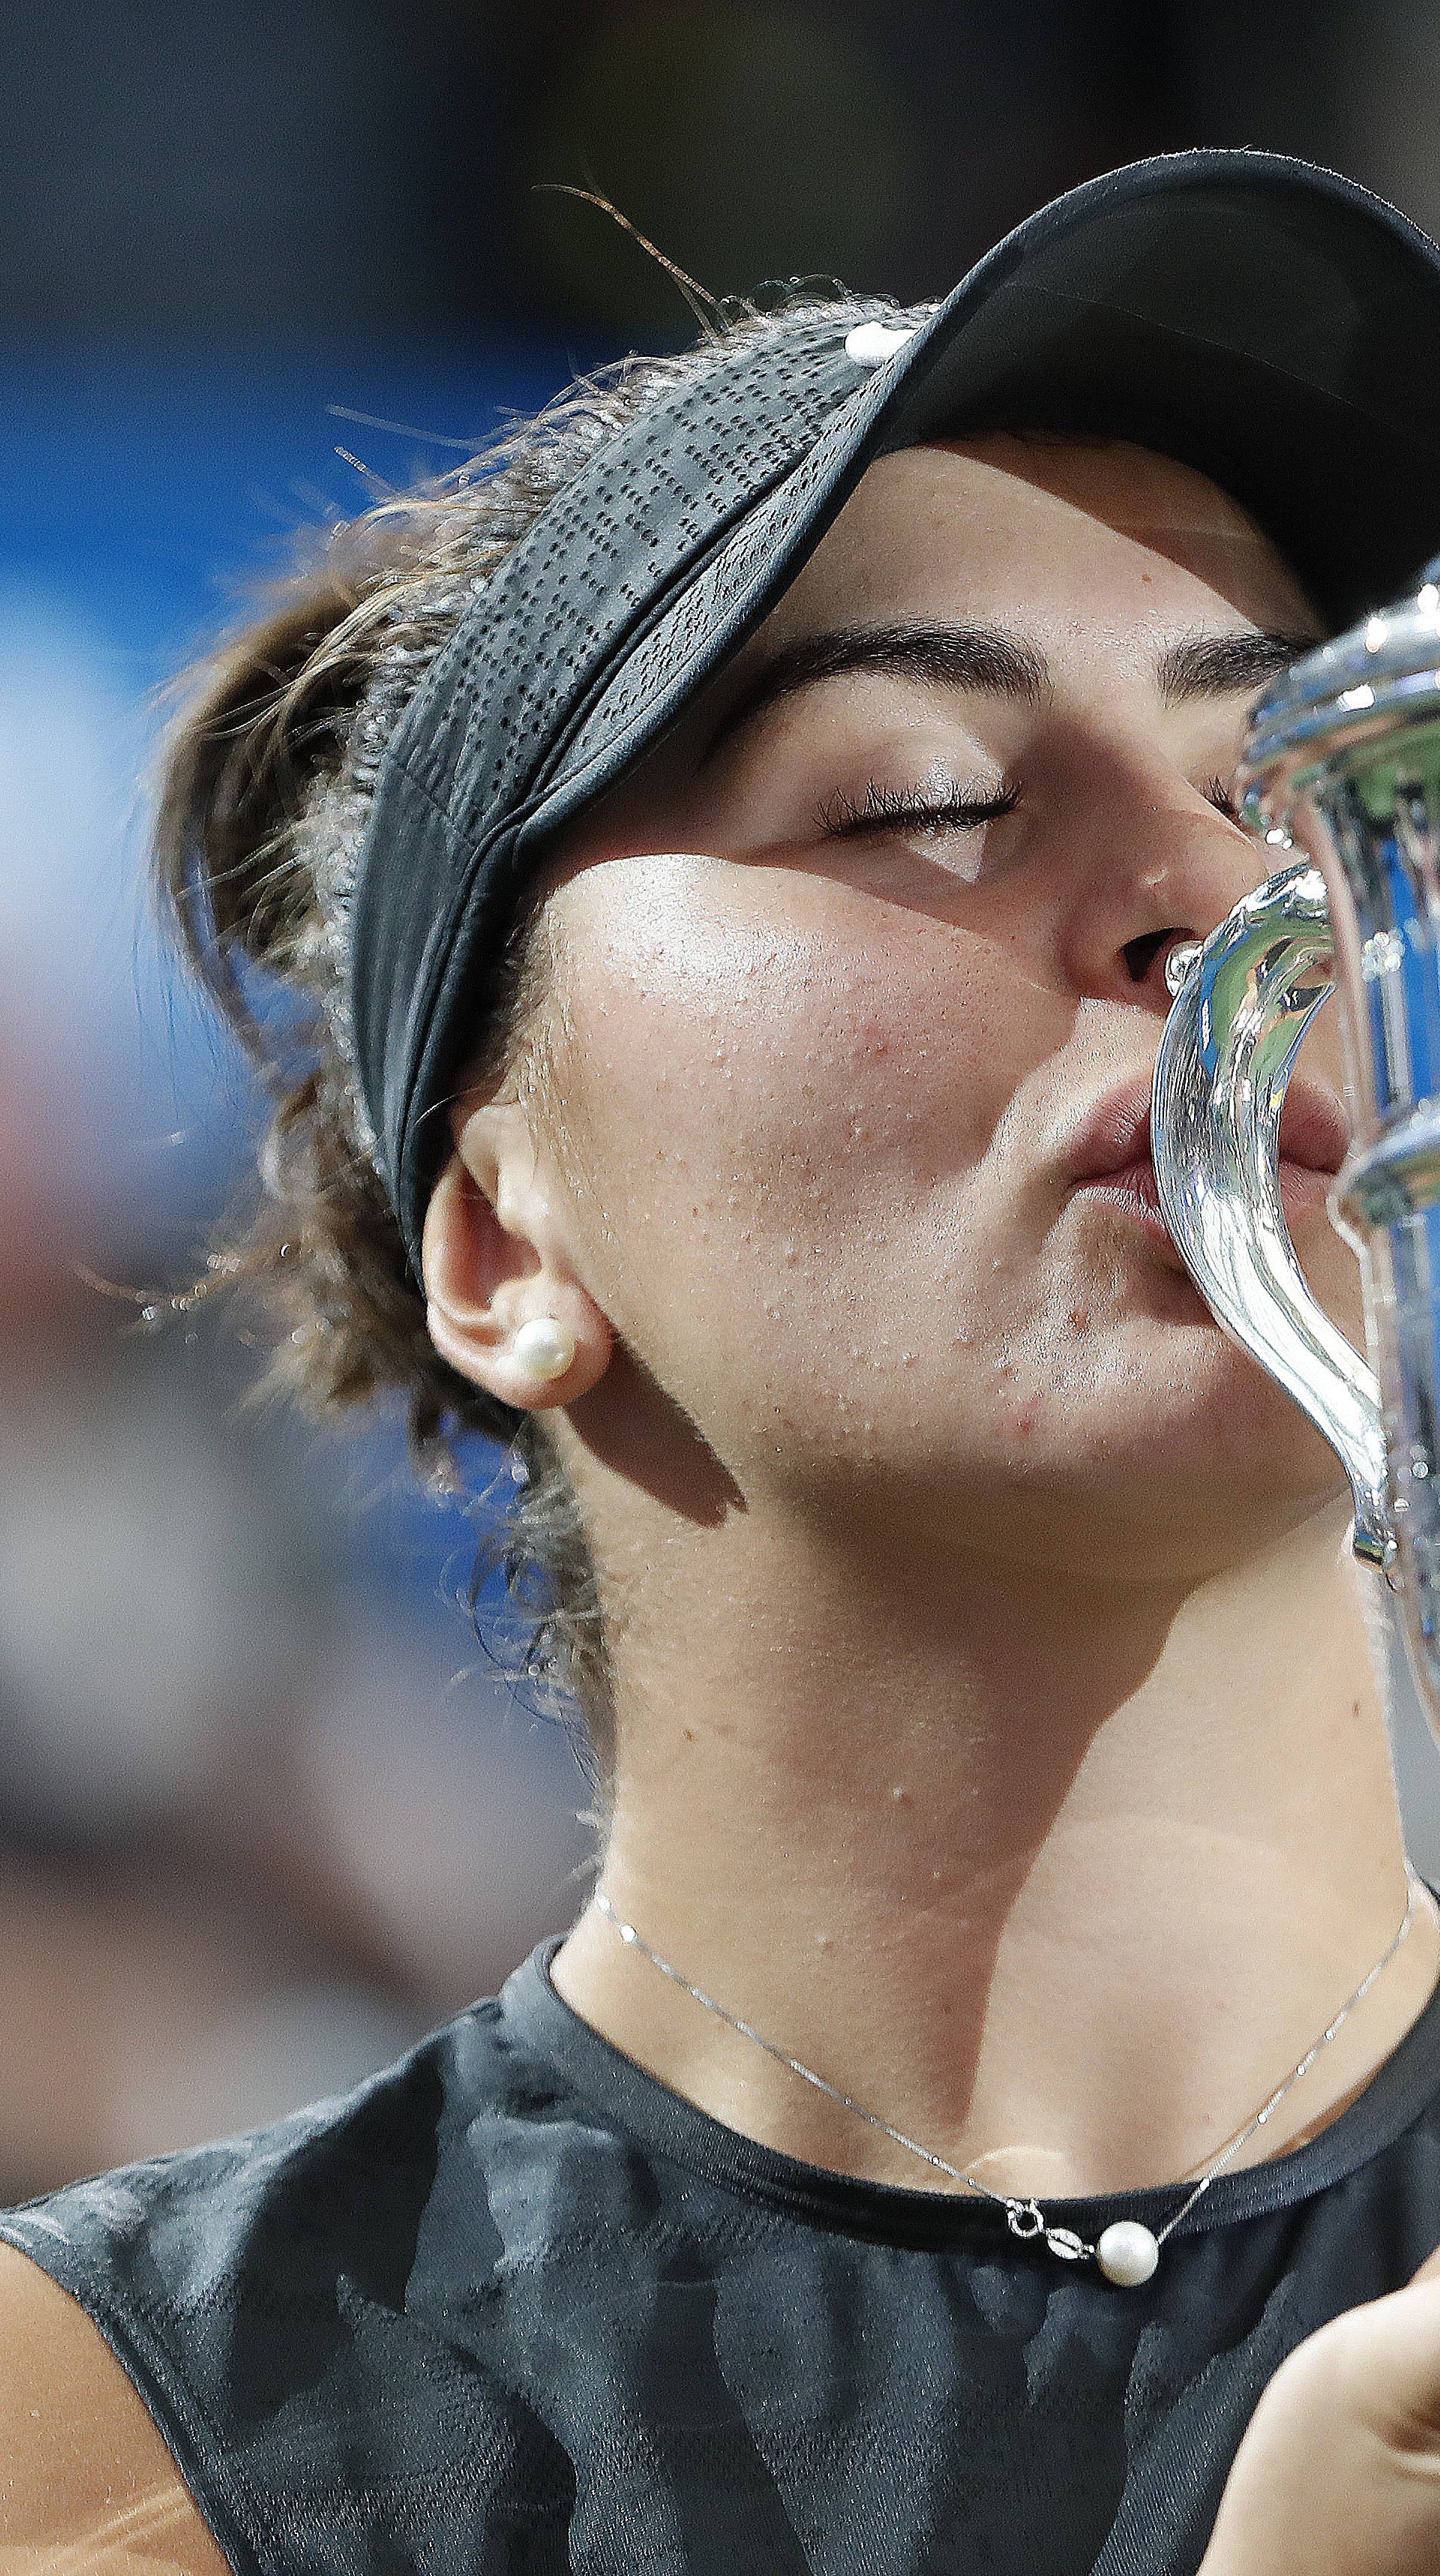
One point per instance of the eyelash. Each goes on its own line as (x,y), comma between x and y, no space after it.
(840,818)
(1218,794)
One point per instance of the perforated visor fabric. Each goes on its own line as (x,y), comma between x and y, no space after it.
(1271,324)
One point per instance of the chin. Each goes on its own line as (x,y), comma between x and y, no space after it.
(1171,1462)
(1230,1477)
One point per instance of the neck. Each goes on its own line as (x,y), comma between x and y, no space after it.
(1058,1879)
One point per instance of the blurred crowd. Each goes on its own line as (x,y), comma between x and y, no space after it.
(269,1808)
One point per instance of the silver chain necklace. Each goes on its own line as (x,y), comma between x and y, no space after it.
(1126,2251)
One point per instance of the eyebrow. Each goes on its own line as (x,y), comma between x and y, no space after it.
(996,664)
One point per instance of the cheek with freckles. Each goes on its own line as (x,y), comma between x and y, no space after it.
(778,1101)
(797,1131)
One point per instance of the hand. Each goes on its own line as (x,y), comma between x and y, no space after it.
(1339,2471)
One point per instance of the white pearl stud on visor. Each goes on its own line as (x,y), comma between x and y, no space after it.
(871,343)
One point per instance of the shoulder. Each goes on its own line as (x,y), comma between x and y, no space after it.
(82,2458)
(343,2269)
(270,2217)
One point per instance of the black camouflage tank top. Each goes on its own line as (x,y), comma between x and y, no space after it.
(512,2307)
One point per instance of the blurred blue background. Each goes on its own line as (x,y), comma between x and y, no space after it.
(267,1809)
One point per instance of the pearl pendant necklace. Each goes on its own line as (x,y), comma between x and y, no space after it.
(1126,2252)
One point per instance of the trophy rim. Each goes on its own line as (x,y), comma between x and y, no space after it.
(1375,679)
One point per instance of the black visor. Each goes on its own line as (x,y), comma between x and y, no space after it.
(1271,324)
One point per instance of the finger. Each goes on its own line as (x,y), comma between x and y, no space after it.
(1340,2466)
(1386,2356)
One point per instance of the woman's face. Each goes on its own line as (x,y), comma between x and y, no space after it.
(846,974)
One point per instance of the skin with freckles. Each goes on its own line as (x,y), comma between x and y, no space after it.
(996,1724)
(862,1060)
(997,1728)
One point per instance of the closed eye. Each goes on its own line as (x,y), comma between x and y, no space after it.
(1216,793)
(889,809)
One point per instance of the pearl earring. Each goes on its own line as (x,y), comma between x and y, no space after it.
(544,1347)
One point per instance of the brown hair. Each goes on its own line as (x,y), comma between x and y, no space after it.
(264,794)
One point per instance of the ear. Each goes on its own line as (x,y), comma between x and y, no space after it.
(495,1257)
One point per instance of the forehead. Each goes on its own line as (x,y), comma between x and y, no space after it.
(1020,520)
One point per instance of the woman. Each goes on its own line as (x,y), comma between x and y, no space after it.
(727,855)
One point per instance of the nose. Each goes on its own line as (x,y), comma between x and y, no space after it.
(1162,870)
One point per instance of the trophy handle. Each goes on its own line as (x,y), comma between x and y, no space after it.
(1226,1055)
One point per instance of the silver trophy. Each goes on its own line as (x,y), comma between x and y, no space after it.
(1341,767)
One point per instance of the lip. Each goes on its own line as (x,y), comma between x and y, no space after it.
(1109,1151)
(1114,1134)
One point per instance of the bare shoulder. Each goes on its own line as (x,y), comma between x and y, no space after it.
(83,2468)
